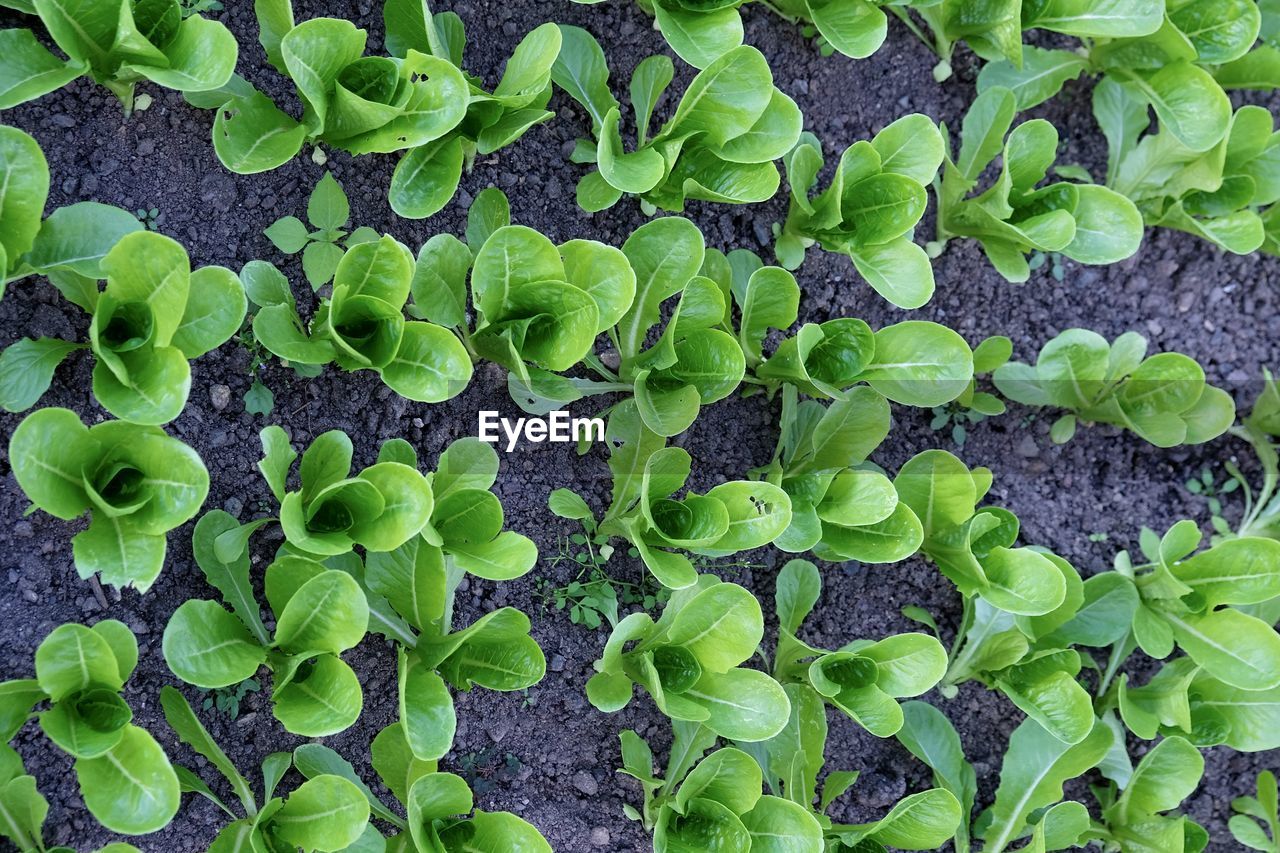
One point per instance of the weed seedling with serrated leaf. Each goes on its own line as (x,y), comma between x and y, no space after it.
(321,246)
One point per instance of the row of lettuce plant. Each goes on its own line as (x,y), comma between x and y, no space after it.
(1204,169)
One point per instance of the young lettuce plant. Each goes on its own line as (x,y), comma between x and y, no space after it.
(517,275)
(1163,398)
(1028,800)
(1199,603)
(69,245)
(319,613)
(427,177)
(735,516)
(719,145)
(118,43)
(327,812)
(841,508)
(438,805)
(689,661)
(26,809)
(1132,813)
(361,326)
(974,547)
(1029,658)
(1218,195)
(411,592)
(863,679)
(361,104)
(154,315)
(791,762)
(417,100)
(994,32)
(870,209)
(124,776)
(136,482)
(1174,58)
(913,363)
(536,307)
(716,805)
(699,357)
(700,32)
(1015,216)
(1256,822)
(379,509)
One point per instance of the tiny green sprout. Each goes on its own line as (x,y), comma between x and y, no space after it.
(151,218)
(228,699)
(1213,492)
(1038,258)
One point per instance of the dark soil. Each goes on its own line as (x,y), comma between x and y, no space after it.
(551,757)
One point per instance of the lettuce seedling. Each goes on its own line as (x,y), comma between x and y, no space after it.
(1015,216)
(118,43)
(698,358)
(25,809)
(972,546)
(536,308)
(1036,766)
(438,805)
(718,803)
(871,208)
(914,363)
(863,679)
(719,145)
(320,612)
(68,246)
(154,315)
(328,211)
(700,32)
(327,812)
(841,508)
(427,178)
(1163,398)
(124,776)
(735,516)
(689,662)
(136,482)
(411,592)
(1015,600)
(361,325)
(1256,822)
(1173,58)
(1132,812)
(1218,195)
(417,100)
(1134,39)
(793,759)
(361,104)
(1197,602)
(380,508)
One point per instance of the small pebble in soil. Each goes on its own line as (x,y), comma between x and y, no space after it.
(586,783)
(220,396)
(600,837)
